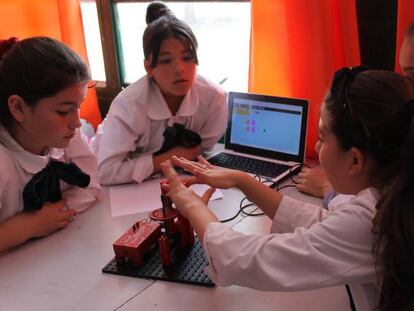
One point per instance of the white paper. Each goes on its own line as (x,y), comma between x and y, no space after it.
(200,189)
(144,197)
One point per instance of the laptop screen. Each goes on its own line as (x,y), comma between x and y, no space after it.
(268,126)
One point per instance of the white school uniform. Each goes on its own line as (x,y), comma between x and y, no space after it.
(18,166)
(309,247)
(133,128)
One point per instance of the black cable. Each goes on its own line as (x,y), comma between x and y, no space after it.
(286,186)
(351,299)
(272,185)
(243,207)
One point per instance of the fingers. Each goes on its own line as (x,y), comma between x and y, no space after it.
(187,165)
(304,172)
(63,212)
(207,195)
(188,181)
(59,205)
(169,172)
(165,188)
(203,161)
(300,179)
(180,161)
(63,224)
(64,215)
(69,214)
(173,178)
(300,187)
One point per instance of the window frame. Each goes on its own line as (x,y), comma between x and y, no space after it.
(111,48)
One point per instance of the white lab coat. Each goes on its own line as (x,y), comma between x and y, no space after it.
(133,128)
(309,247)
(18,166)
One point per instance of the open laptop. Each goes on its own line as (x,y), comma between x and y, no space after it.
(266,135)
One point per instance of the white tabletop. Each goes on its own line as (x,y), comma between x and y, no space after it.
(63,272)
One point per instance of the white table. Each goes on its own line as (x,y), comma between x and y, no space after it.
(63,272)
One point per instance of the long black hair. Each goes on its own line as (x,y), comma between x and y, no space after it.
(374,111)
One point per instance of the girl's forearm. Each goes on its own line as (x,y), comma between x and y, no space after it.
(200,218)
(16,230)
(265,198)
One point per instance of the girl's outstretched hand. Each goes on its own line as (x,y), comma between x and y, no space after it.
(186,201)
(205,173)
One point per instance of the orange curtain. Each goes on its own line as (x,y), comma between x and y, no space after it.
(295,48)
(59,19)
(405,17)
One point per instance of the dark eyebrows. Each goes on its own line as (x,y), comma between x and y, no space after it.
(69,103)
(182,52)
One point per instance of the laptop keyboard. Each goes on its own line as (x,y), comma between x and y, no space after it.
(249,165)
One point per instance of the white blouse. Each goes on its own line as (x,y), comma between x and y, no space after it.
(133,128)
(309,247)
(18,166)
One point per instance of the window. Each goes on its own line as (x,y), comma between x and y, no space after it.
(222,29)
(93,40)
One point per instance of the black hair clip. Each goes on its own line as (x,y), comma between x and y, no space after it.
(178,135)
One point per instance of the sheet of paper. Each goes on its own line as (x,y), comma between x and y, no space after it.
(144,197)
(200,189)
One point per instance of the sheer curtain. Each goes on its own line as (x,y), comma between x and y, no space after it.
(297,45)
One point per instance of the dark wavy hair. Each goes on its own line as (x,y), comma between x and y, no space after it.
(162,24)
(374,111)
(36,68)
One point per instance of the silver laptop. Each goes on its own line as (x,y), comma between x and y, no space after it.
(266,135)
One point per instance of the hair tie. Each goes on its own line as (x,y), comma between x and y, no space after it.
(6,45)
(342,78)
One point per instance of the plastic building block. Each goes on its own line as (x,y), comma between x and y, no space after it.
(134,243)
(165,253)
(187,266)
(169,229)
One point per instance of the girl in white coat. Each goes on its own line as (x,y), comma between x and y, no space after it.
(366,149)
(42,84)
(138,132)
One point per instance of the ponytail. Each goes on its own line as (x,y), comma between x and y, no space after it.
(162,24)
(156,10)
(373,110)
(394,231)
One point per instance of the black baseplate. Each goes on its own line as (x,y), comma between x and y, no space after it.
(187,266)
